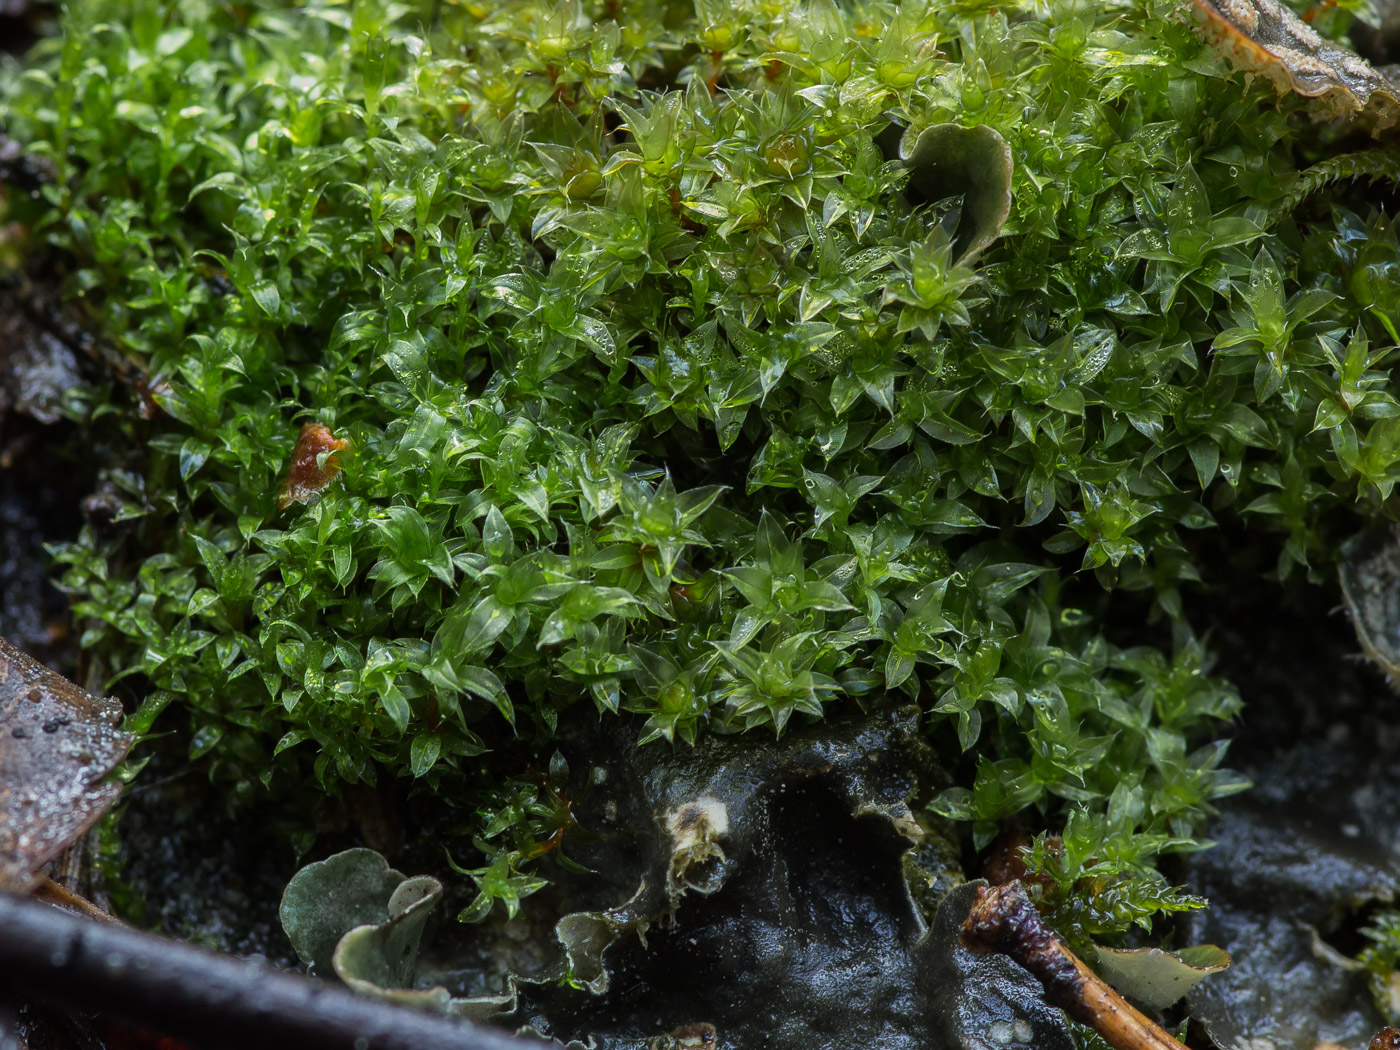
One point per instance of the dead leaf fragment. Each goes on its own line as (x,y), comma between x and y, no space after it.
(58,743)
(948,160)
(315,461)
(1265,37)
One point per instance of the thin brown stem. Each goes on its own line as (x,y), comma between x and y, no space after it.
(51,892)
(1004,919)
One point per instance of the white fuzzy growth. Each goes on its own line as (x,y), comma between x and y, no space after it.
(700,821)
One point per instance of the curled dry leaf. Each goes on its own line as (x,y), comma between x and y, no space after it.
(948,160)
(315,461)
(58,744)
(1265,37)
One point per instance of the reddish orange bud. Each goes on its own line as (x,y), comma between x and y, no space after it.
(305,476)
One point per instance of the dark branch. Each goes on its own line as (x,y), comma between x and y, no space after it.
(214,1000)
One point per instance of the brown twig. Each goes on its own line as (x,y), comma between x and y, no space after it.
(60,896)
(1004,919)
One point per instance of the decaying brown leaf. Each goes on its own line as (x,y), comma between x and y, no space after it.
(58,744)
(1267,38)
(314,463)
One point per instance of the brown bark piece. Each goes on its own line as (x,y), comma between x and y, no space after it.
(58,743)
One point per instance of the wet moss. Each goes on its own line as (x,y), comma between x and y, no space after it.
(665,397)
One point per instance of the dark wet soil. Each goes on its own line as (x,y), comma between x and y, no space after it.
(22,22)
(1293,654)
(801,932)
(191,868)
(33,614)
(1307,855)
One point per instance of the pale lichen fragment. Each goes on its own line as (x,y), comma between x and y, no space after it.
(696,829)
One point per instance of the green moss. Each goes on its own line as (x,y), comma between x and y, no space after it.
(664,399)
(1381,959)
